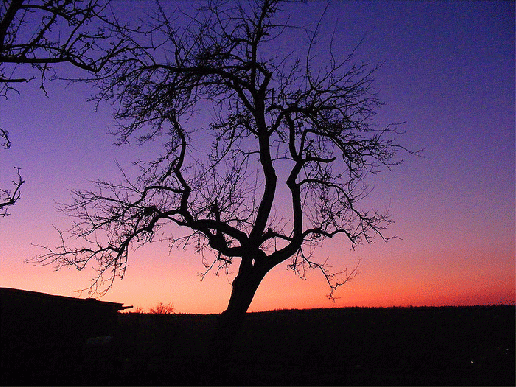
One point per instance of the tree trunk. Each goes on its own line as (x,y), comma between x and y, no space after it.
(230,322)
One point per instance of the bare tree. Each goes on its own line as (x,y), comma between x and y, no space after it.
(292,145)
(162,308)
(37,34)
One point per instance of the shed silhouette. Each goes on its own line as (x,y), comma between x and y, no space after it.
(43,336)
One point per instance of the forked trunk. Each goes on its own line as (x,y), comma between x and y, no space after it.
(230,322)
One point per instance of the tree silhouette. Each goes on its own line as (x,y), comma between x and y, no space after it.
(292,144)
(37,34)
(162,308)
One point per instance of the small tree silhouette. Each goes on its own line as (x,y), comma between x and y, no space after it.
(162,308)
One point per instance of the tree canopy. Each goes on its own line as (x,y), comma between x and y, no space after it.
(292,143)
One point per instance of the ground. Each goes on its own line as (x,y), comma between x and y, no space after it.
(350,346)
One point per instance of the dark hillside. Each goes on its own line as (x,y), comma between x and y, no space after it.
(351,346)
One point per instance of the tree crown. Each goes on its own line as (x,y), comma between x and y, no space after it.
(292,142)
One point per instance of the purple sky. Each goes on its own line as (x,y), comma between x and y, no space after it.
(447,71)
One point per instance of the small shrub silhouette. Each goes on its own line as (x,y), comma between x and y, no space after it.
(162,308)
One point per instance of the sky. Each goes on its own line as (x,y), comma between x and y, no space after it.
(447,72)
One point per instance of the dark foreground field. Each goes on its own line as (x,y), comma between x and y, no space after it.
(397,346)
(351,346)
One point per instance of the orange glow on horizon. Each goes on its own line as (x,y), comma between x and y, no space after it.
(149,281)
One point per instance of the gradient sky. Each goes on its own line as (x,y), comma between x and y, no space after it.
(448,73)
